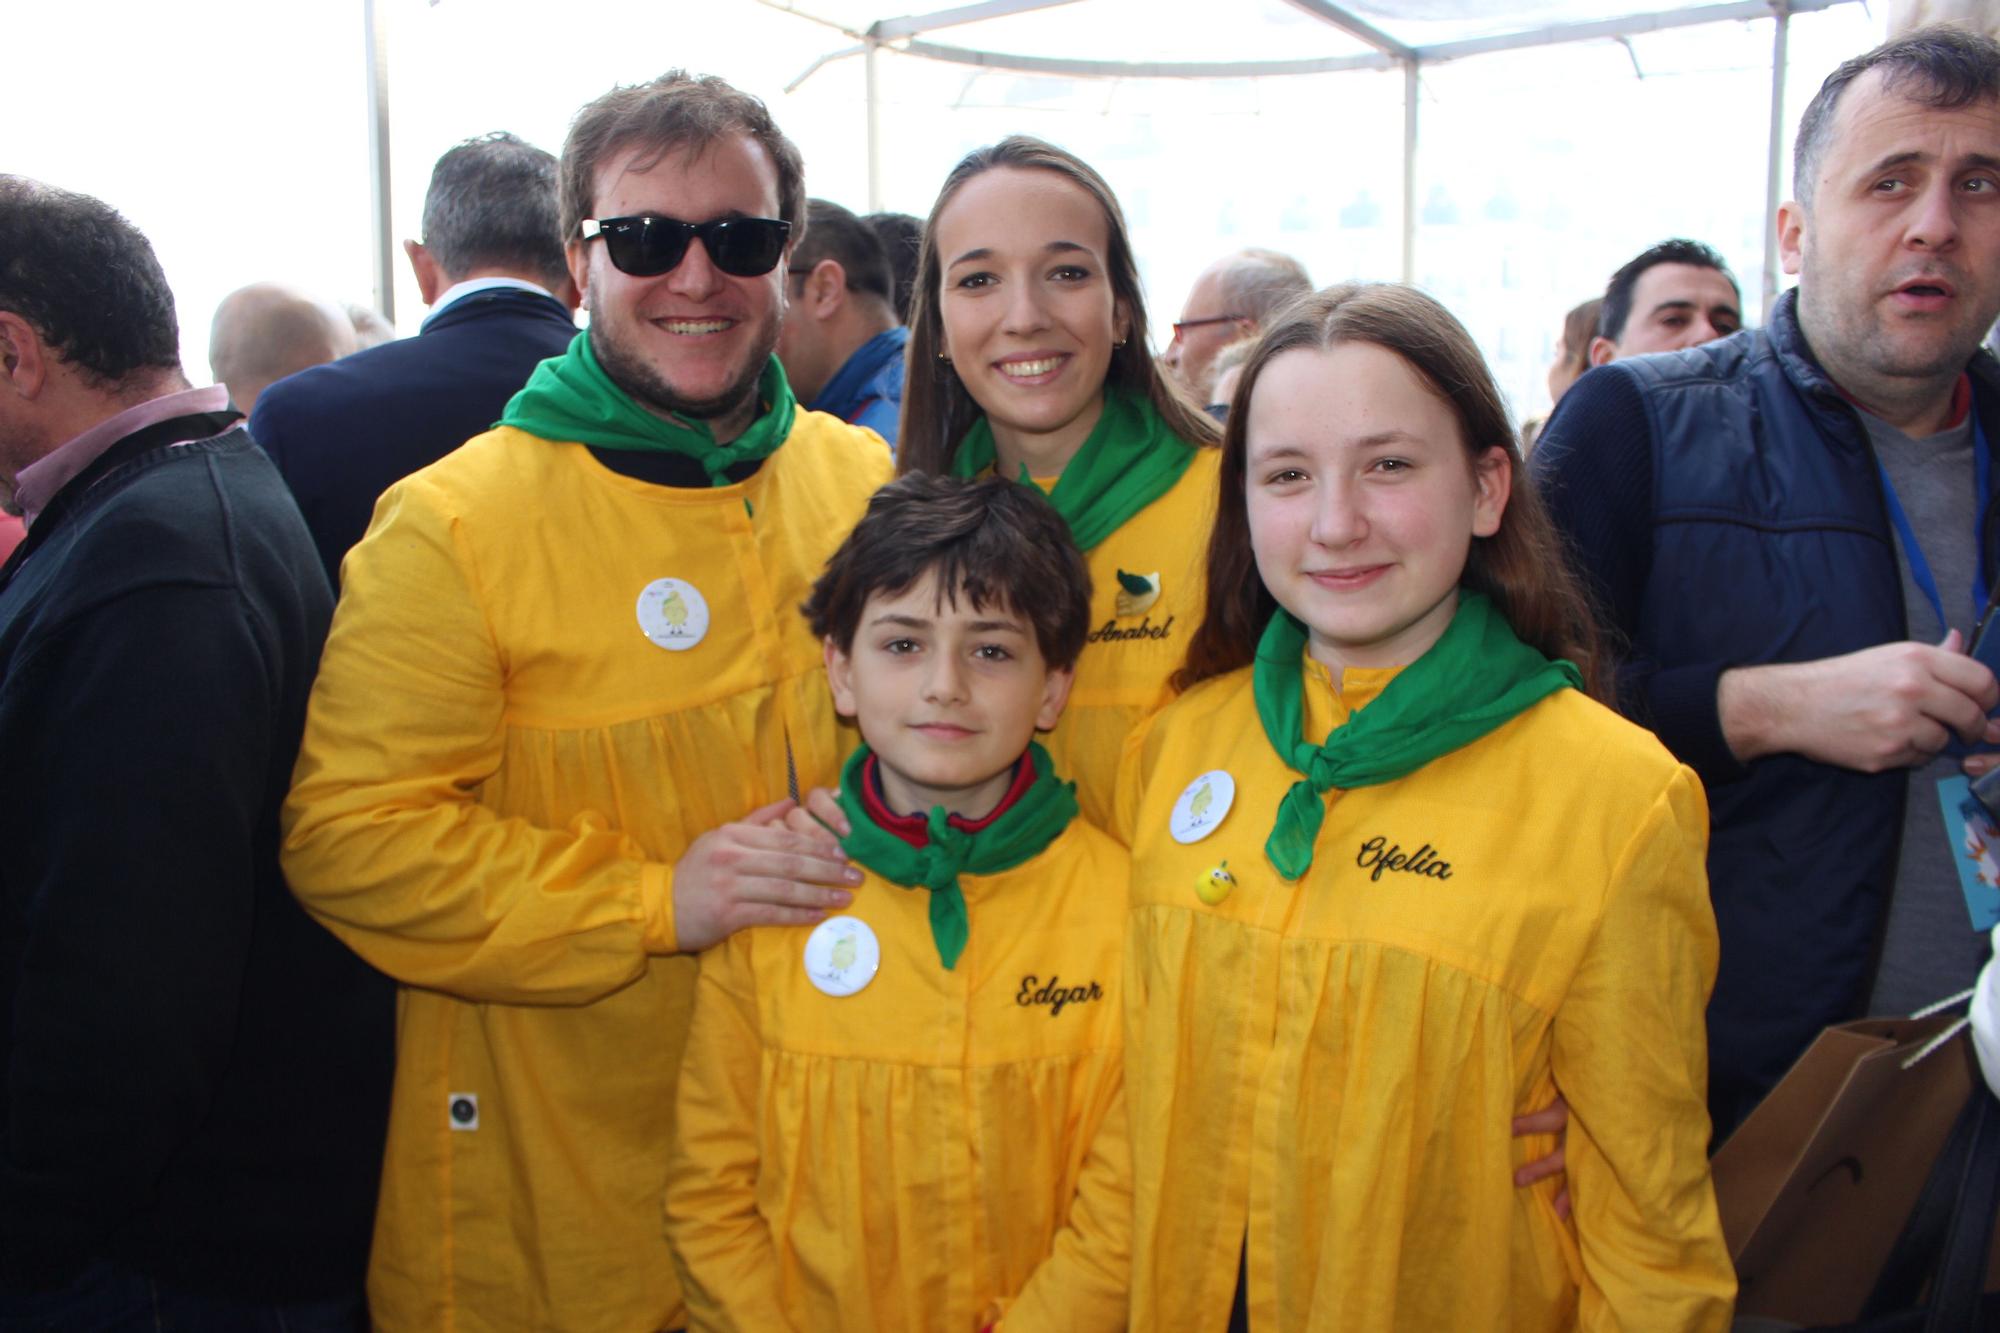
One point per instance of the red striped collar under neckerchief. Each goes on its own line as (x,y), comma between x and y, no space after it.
(911,828)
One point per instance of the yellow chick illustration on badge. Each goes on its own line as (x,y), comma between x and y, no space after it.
(1214,885)
(1136,593)
(843,954)
(674,609)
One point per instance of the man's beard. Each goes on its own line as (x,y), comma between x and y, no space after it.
(637,376)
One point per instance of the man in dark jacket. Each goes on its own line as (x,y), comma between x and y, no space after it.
(842,340)
(491,269)
(1791,531)
(194,1076)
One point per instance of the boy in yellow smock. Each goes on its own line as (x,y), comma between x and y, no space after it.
(884,1119)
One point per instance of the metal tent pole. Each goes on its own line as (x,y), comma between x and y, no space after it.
(1775,169)
(375,32)
(874,129)
(1410,68)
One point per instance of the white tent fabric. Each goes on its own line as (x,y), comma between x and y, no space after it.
(1301,63)
(1160,39)
(1538,170)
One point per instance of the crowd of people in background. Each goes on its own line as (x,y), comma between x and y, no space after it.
(853,794)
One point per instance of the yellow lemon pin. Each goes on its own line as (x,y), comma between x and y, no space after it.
(673,614)
(1202,806)
(1137,593)
(1214,885)
(842,955)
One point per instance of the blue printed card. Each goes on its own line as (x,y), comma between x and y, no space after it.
(1975,842)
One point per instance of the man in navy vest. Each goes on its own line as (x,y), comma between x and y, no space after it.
(1790,530)
(491,268)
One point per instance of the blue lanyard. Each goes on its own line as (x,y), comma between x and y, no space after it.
(1920,568)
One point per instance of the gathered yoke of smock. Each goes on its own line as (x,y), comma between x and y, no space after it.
(908,1157)
(544,680)
(1329,1067)
(1137,639)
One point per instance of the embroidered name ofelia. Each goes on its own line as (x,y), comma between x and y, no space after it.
(1053,995)
(1423,861)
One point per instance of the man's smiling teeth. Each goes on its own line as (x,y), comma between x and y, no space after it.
(1030,369)
(694,325)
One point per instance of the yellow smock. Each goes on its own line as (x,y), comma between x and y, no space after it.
(1135,644)
(908,1157)
(499,770)
(1330,1067)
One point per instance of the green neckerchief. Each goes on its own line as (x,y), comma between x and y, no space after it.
(569,397)
(1128,460)
(1475,677)
(1021,832)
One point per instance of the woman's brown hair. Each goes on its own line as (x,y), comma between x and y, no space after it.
(1579,327)
(1522,566)
(937,411)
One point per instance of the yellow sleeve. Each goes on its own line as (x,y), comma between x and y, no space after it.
(384,841)
(722,1246)
(1631,1056)
(1133,765)
(1084,1283)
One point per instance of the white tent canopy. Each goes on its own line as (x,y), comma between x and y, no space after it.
(1552,140)
(1356,35)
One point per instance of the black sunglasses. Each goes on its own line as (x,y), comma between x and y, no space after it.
(648,245)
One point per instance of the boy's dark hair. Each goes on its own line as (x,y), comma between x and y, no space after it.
(997,542)
(87,281)
(1616,311)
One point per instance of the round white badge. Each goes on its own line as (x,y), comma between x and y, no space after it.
(673,614)
(842,955)
(1202,807)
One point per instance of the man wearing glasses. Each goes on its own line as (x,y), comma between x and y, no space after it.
(565,697)
(1229,301)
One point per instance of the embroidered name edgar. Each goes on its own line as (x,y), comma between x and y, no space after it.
(1054,994)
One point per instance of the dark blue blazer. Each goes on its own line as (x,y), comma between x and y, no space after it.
(344,432)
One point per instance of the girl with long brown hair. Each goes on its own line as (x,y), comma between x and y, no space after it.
(1398,876)
(1028,358)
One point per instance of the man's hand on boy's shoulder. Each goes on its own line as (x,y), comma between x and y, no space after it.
(820,812)
(758,871)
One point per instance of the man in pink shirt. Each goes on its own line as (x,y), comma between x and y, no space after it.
(193,1076)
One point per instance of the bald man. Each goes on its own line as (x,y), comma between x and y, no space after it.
(265,332)
(1230,301)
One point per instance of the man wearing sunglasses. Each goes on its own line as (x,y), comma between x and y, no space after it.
(565,698)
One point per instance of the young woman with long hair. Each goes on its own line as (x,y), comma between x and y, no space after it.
(1396,877)
(1028,357)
